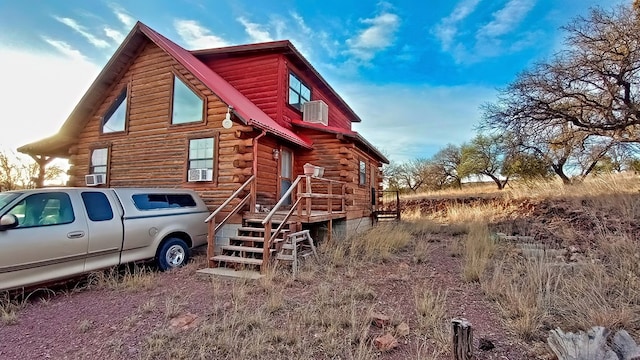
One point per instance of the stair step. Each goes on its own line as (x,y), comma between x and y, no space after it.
(273,221)
(247,238)
(237,259)
(287,246)
(243,248)
(259,229)
(284,257)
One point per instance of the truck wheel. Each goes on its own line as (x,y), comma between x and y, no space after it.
(173,253)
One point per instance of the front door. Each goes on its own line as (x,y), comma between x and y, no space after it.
(286,173)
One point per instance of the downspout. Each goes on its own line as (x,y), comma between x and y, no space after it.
(255,170)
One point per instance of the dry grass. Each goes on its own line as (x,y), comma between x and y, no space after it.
(432,318)
(478,249)
(127,277)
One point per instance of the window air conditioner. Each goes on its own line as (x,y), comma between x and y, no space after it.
(315,112)
(200,175)
(94,179)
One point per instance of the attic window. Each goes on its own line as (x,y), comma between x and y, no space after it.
(299,92)
(115,118)
(187,105)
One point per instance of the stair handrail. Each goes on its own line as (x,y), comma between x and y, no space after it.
(230,198)
(282,200)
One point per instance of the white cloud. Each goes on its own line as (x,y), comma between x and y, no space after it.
(63,78)
(66,49)
(123,16)
(409,122)
(94,40)
(447,30)
(256,32)
(113,34)
(379,35)
(506,19)
(197,36)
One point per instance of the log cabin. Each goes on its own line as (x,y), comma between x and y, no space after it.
(254,129)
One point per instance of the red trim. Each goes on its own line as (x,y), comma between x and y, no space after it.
(243,107)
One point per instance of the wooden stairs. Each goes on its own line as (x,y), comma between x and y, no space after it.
(246,249)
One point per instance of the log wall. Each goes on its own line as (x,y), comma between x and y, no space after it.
(340,160)
(152,152)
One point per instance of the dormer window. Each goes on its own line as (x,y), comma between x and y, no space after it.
(187,106)
(299,92)
(115,118)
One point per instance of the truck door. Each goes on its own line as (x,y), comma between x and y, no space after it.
(104,219)
(49,243)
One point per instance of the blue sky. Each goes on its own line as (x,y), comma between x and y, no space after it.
(415,72)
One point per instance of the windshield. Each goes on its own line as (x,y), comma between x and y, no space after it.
(6,198)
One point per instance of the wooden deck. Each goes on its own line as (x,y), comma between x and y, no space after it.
(315,216)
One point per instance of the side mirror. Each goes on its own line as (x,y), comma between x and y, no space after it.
(8,221)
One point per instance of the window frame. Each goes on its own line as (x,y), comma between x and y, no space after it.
(107,163)
(175,75)
(113,108)
(362,172)
(49,196)
(298,91)
(216,141)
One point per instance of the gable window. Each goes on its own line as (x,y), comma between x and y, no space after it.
(187,106)
(363,172)
(115,118)
(201,153)
(299,93)
(99,158)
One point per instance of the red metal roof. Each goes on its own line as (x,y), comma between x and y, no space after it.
(242,106)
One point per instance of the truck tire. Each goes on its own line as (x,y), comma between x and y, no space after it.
(173,253)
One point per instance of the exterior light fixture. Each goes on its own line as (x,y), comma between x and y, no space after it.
(227,123)
(276,154)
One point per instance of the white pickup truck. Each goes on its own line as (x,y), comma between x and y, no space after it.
(56,233)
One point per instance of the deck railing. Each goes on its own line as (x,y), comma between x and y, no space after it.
(303,205)
(211,219)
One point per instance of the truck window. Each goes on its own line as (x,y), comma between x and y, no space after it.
(97,205)
(162,201)
(49,208)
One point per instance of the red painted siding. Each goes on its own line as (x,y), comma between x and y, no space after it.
(337,117)
(256,77)
(264,79)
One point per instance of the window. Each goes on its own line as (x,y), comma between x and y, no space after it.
(97,205)
(187,105)
(201,153)
(162,201)
(115,118)
(363,172)
(299,93)
(99,158)
(49,208)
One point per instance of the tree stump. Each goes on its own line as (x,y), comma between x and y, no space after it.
(462,339)
(591,345)
(624,345)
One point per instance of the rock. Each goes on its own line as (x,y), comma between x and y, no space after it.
(380,320)
(402,329)
(385,343)
(184,322)
(574,249)
(485,344)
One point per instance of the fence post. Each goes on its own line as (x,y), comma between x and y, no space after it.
(462,339)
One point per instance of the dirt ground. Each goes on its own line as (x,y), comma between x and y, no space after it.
(103,323)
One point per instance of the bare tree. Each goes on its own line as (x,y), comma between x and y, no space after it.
(17,173)
(592,87)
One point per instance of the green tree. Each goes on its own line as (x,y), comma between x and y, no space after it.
(484,156)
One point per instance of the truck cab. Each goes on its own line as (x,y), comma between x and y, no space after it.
(55,233)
